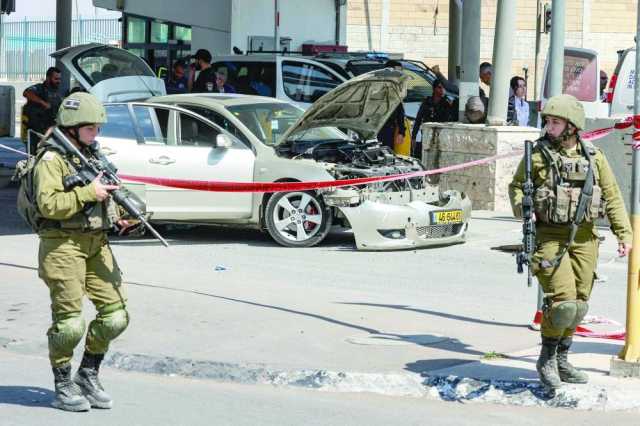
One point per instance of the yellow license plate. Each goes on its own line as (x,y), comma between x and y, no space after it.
(446,217)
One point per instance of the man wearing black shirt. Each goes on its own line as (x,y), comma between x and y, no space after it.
(39,113)
(206,81)
(434,109)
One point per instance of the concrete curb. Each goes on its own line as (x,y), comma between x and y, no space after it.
(446,388)
(597,396)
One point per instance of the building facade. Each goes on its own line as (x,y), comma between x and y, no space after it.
(419,30)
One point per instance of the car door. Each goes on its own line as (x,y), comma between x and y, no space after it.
(120,144)
(178,144)
(302,81)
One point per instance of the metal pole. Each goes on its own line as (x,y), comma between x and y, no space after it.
(537,52)
(556,48)
(455,40)
(631,350)
(469,86)
(502,55)
(25,49)
(2,62)
(63,36)
(276,27)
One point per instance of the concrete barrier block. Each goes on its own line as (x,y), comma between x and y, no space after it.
(7,111)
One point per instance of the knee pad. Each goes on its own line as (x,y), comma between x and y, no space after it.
(581,310)
(111,321)
(66,332)
(568,313)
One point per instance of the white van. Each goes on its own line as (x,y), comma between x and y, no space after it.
(620,93)
(580,78)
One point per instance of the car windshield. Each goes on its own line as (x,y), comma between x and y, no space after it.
(269,121)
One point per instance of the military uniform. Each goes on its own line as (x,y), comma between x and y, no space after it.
(75,260)
(565,266)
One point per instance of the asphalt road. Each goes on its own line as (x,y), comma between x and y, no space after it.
(232,297)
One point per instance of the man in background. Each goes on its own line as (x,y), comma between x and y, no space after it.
(39,113)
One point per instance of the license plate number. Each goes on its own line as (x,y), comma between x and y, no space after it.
(446,217)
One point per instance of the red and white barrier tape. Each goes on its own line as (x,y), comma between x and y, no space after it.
(220,186)
(582,331)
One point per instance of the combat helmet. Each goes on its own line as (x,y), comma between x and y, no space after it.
(81,108)
(566,107)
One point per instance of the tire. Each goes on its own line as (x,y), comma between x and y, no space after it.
(293,225)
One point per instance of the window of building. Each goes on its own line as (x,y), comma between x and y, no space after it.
(136,30)
(159,32)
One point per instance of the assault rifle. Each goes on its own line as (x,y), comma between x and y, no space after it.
(523,257)
(91,168)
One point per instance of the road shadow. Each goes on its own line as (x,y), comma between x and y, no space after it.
(437,313)
(181,235)
(27,396)
(453,345)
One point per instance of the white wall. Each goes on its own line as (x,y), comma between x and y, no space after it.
(210,20)
(218,25)
(305,22)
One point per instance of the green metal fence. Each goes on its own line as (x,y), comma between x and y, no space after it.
(25,45)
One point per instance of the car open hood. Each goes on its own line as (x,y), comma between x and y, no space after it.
(362,104)
(110,73)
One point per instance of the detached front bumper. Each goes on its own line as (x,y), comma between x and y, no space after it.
(382,226)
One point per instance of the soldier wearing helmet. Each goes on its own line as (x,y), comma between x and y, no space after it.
(75,258)
(565,171)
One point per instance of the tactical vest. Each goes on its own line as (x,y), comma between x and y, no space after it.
(556,200)
(93,217)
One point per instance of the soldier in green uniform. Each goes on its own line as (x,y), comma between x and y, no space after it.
(75,258)
(564,169)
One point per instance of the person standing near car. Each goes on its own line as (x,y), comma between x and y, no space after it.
(567,172)
(39,113)
(221,82)
(177,82)
(434,109)
(518,107)
(206,80)
(75,259)
(392,133)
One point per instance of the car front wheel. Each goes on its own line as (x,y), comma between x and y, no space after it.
(297,219)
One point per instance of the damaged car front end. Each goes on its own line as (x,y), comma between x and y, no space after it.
(395,214)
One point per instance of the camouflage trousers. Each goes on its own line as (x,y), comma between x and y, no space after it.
(573,277)
(72,265)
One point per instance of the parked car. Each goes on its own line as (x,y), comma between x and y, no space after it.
(302,80)
(419,85)
(239,138)
(620,93)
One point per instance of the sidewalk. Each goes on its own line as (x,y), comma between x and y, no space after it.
(414,323)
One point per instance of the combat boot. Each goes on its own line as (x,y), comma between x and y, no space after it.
(87,379)
(567,372)
(69,396)
(547,364)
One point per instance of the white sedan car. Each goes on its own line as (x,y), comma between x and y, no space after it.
(236,138)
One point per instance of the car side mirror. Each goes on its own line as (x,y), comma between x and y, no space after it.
(223,141)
